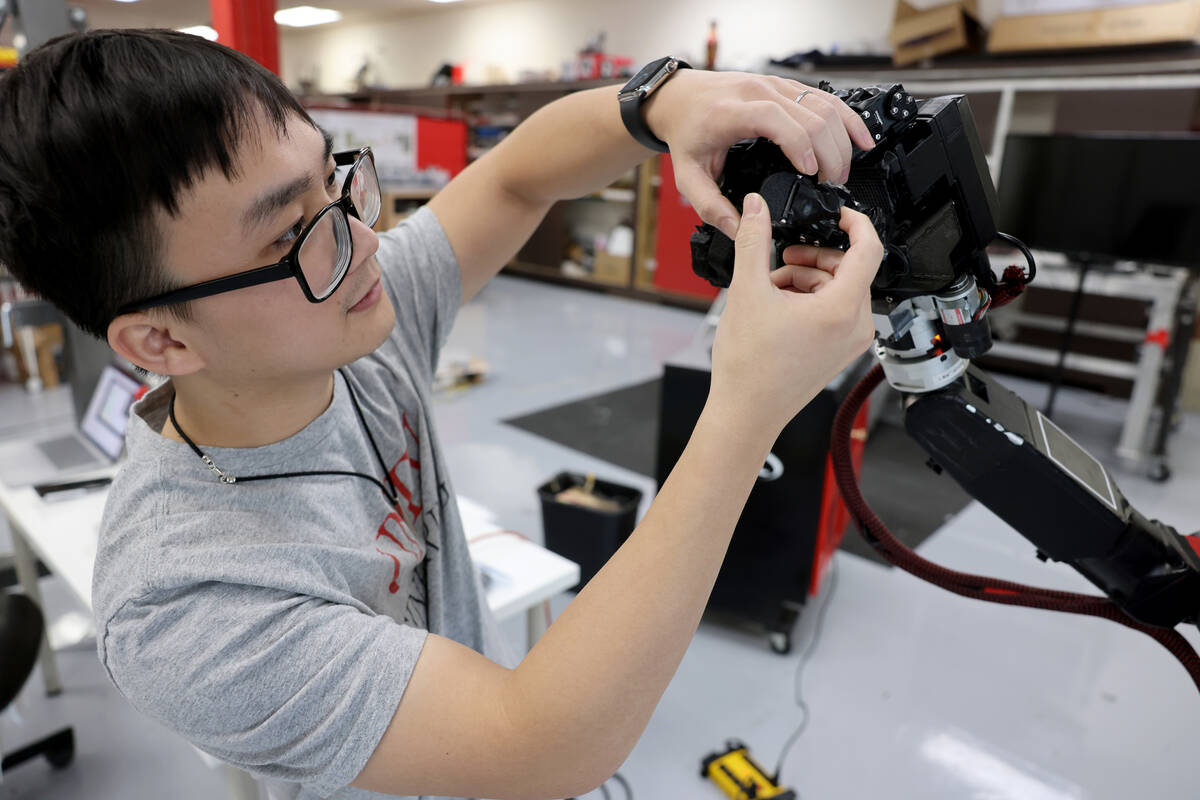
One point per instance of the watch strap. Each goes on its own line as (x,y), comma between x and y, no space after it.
(631,115)
(631,101)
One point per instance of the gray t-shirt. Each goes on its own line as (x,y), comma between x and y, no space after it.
(275,624)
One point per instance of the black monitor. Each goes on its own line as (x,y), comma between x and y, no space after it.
(1104,197)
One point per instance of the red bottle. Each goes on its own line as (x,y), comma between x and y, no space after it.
(710,58)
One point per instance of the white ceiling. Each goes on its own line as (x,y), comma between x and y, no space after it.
(178,13)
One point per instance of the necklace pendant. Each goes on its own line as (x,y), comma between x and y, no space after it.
(221,476)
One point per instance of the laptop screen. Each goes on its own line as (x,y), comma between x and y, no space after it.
(108,411)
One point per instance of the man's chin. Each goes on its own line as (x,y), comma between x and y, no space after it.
(376,325)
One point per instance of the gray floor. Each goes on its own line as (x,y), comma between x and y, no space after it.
(913,693)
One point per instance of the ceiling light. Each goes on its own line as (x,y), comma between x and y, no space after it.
(304,16)
(203,31)
(443,1)
(127,1)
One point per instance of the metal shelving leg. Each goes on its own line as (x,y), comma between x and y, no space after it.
(1060,368)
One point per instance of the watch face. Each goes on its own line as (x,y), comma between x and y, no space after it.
(645,74)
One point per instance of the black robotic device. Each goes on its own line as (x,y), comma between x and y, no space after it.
(925,186)
(927,190)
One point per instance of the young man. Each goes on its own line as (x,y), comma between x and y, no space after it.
(282,576)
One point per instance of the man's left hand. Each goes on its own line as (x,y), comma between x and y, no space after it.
(701,114)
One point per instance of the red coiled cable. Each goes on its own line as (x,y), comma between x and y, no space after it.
(979,587)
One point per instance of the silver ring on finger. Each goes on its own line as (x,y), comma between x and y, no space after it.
(800,96)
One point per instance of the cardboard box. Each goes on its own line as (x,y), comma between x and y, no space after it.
(918,34)
(615,270)
(48,341)
(1123,26)
(45,349)
(1024,8)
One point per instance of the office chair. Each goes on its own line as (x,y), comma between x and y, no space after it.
(20,636)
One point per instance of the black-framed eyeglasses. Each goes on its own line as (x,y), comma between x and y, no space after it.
(322,252)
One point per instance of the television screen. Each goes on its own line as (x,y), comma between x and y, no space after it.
(1104,197)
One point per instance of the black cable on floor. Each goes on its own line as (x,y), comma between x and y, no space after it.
(804,657)
(619,778)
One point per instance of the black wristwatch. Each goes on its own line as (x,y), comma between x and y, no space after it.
(634,93)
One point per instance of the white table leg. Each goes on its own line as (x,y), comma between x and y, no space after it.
(241,784)
(26,566)
(535,623)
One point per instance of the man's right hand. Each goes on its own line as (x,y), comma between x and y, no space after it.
(785,334)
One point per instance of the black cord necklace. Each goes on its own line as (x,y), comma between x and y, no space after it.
(385,486)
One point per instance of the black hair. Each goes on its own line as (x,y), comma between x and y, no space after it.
(100,132)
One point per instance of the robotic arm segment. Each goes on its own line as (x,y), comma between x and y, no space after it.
(1031,474)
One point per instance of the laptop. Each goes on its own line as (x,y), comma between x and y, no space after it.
(94,445)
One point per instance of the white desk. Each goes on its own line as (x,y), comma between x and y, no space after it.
(521,575)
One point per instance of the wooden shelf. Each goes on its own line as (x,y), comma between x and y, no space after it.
(399,95)
(547,274)
(1180,60)
(1023,94)
(410,192)
(613,194)
(364,102)
(556,275)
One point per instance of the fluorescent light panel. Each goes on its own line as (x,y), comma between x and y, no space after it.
(304,16)
(203,31)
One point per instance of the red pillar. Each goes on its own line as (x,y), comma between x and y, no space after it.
(248,26)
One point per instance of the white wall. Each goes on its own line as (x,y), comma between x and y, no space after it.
(541,34)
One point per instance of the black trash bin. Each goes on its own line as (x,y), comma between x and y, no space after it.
(587,536)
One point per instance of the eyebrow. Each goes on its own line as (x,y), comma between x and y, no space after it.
(269,203)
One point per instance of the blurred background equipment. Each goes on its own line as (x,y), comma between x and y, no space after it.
(793,520)
(1104,197)
(41,20)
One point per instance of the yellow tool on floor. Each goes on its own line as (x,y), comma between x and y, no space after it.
(740,777)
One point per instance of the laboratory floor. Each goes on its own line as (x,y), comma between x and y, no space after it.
(911,692)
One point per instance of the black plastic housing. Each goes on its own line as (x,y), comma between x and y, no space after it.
(1020,465)
(925,185)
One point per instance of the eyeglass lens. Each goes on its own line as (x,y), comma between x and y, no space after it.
(364,191)
(326,253)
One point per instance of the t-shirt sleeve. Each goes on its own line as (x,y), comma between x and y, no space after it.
(422,277)
(285,686)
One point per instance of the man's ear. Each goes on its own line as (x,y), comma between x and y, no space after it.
(147,342)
